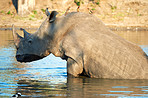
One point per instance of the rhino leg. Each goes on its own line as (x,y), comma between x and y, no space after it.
(74,60)
(74,54)
(74,68)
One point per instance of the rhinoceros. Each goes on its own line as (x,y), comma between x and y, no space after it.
(88,46)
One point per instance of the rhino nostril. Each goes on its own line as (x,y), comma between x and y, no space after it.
(19,58)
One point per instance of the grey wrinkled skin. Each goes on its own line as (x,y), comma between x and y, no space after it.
(87,45)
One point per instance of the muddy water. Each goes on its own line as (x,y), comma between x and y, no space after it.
(48,77)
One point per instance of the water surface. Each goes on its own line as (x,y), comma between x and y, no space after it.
(48,77)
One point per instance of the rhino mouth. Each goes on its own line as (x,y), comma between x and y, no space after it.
(27,58)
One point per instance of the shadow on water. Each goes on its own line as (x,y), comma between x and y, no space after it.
(48,77)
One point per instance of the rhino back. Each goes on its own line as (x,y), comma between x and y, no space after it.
(106,55)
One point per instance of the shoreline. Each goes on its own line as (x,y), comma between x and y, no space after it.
(113,27)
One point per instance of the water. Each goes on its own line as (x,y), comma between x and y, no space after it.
(48,77)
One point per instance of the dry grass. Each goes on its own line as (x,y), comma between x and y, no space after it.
(111,12)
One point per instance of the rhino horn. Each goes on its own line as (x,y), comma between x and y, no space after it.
(47,12)
(26,34)
(16,36)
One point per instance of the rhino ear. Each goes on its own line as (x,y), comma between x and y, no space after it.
(26,34)
(52,17)
(16,36)
(47,12)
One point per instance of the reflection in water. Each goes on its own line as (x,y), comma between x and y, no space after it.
(48,77)
(85,87)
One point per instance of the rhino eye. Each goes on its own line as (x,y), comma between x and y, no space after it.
(29,41)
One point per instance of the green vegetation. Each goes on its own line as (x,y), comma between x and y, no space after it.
(78,2)
(97,2)
(6,13)
(113,7)
(9,13)
(43,10)
(2,12)
(139,14)
(93,9)
(34,16)
(34,12)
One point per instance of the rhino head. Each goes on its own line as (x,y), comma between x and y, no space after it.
(34,46)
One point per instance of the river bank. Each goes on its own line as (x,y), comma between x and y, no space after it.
(117,15)
(112,27)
